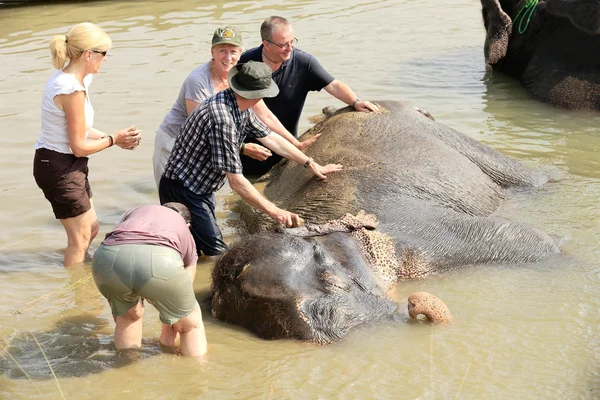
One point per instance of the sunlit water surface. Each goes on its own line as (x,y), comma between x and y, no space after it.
(520,332)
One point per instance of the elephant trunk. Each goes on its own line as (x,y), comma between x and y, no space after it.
(427,304)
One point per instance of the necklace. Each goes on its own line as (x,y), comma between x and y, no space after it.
(276,63)
(212,65)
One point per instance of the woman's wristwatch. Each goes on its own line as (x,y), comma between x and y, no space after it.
(307,163)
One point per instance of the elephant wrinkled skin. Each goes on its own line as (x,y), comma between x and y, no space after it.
(433,191)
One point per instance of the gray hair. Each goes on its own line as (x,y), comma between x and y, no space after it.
(271,25)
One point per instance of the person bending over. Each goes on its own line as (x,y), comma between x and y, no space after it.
(151,255)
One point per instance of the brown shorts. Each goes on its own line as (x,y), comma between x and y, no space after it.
(64,180)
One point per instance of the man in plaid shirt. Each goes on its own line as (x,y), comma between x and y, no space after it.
(207,151)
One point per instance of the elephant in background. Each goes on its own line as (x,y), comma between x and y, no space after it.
(551,46)
(432,192)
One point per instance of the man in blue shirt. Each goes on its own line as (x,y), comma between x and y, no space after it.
(207,151)
(296,73)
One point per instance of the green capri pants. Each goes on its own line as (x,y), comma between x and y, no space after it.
(123,273)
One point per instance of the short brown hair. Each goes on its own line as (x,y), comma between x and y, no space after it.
(271,25)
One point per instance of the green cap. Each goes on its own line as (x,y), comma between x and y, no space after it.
(252,80)
(227,35)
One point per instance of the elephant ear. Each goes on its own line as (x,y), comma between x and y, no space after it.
(499,26)
(583,14)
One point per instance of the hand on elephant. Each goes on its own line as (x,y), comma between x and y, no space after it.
(289,219)
(365,106)
(307,143)
(320,171)
(256,151)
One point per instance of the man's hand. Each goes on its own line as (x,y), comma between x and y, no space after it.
(365,106)
(307,143)
(257,151)
(320,171)
(290,220)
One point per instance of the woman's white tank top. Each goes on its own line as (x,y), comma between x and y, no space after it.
(54,134)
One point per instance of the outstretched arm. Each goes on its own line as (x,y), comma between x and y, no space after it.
(265,115)
(343,93)
(285,149)
(250,195)
(73,106)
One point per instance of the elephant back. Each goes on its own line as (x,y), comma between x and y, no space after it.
(396,153)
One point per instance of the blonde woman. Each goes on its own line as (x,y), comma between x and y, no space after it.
(203,82)
(68,136)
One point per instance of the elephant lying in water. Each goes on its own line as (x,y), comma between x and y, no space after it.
(432,190)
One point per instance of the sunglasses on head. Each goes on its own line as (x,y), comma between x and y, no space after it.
(100,52)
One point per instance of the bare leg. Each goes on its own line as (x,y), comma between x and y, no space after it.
(128,329)
(193,337)
(81,230)
(168,336)
(191,270)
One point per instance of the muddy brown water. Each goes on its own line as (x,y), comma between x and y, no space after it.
(525,331)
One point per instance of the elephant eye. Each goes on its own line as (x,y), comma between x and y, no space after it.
(334,282)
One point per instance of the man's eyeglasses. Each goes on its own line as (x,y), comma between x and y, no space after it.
(100,52)
(283,46)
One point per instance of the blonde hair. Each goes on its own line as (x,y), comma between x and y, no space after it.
(81,37)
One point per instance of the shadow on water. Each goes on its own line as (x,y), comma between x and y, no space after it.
(508,101)
(67,301)
(73,349)
(31,260)
(540,131)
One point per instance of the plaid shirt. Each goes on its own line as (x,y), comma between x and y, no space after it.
(209,141)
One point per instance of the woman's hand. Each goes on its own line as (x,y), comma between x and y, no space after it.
(307,143)
(256,151)
(128,138)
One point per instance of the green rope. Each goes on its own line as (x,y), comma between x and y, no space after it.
(525,12)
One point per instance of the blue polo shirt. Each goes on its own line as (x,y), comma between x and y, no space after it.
(296,77)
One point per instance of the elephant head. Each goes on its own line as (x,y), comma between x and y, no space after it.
(583,14)
(310,284)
